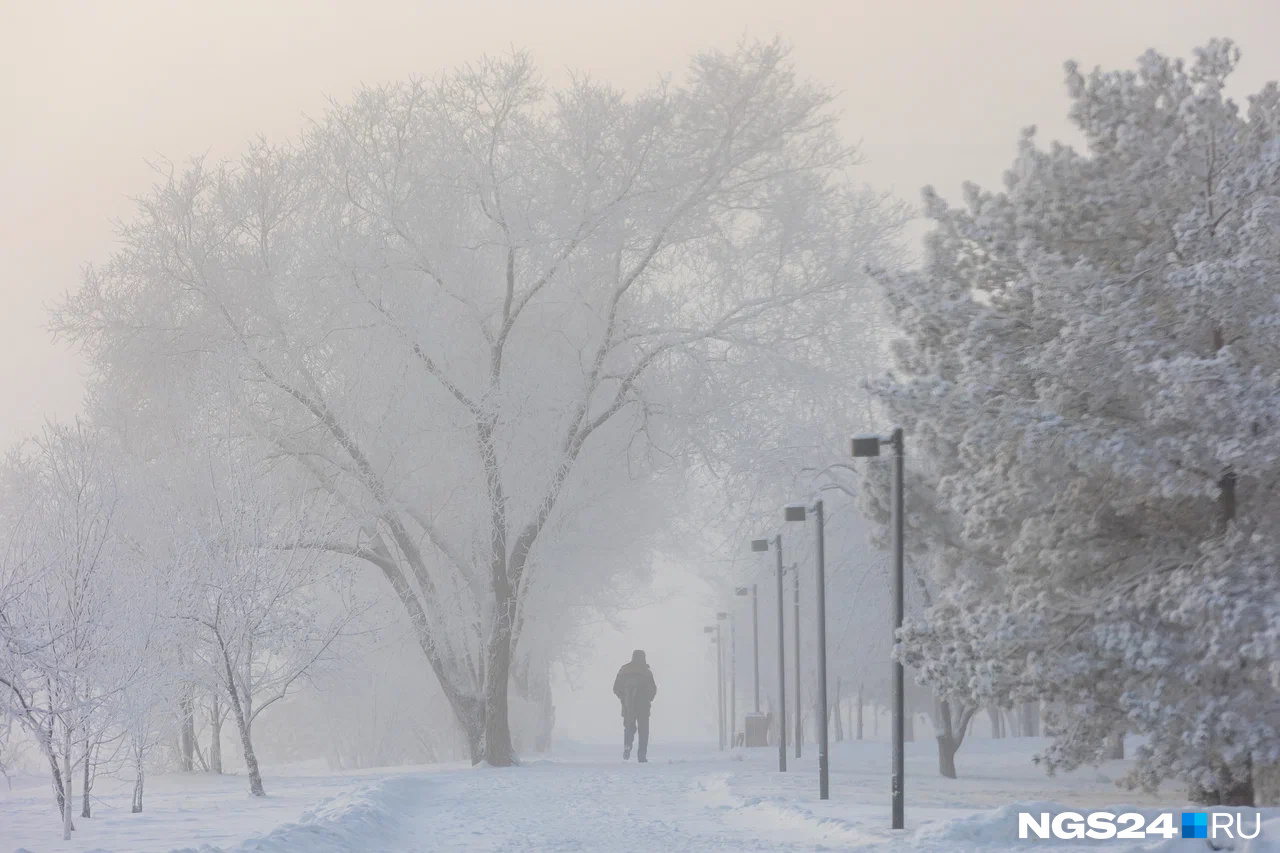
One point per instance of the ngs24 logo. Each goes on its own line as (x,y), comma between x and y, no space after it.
(1135,826)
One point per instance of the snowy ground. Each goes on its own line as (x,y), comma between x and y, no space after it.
(585,798)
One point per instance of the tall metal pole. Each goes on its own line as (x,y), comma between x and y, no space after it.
(733,680)
(720,686)
(755,639)
(824,787)
(899,450)
(795,576)
(782,667)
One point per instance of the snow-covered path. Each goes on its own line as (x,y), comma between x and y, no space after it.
(588,805)
(585,798)
(697,800)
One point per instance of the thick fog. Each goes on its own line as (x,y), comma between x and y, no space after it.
(935,93)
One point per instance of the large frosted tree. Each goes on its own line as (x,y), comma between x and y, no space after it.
(459,306)
(1089,373)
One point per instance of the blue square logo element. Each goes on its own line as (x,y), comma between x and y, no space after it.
(1195,825)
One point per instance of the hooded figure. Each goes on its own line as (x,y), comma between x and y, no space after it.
(636,689)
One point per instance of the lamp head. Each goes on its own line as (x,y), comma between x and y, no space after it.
(795,512)
(742,590)
(865,446)
(759,544)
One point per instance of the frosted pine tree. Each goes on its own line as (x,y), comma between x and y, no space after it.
(1090,376)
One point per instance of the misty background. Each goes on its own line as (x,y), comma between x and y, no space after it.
(935,91)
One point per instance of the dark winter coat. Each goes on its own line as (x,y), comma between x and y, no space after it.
(636,688)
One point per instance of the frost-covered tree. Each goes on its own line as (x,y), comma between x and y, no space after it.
(70,646)
(265,612)
(455,304)
(1089,374)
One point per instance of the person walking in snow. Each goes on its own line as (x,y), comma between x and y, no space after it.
(636,688)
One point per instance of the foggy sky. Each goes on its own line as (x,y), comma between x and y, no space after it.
(936,91)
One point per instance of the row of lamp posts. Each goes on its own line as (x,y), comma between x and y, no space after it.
(862,447)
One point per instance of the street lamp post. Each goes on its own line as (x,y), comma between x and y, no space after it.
(763,545)
(755,641)
(724,701)
(863,447)
(795,578)
(715,639)
(733,681)
(755,635)
(798,512)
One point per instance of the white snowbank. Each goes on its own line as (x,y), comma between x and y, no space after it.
(370,817)
(777,814)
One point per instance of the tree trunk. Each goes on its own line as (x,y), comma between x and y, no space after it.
(243,724)
(137,783)
(188,730)
(950,737)
(1030,713)
(85,810)
(1232,789)
(215,735)
(67,826)
(859,729)
(468,708)
(947,749)
(58,792)
(839,721)
(1115,746)
(546,711)
(505,569)
(997,729)
(497,749)
(250,757)
(471,719)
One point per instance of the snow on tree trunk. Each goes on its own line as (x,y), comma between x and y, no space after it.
(137,783)
(67,807)
(85,810)
(243,724)
(250,757)
(59,793)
